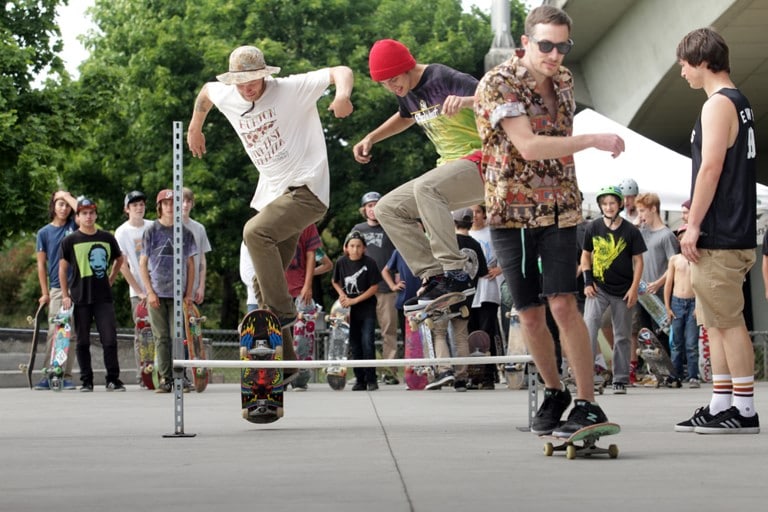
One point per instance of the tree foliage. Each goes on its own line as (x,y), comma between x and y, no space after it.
(149,58)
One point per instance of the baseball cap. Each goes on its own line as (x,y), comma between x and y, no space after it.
(389,58)
(164,194)
(463,215)
(83,203)
(134,196)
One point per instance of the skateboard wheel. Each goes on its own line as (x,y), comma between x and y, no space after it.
(613,451)
(429,323)
(200,371)
(549,449)
(464,311)
(23,367)
(149,369)
(30,320)
(570,452)
(202,319)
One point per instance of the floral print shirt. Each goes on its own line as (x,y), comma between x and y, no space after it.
(523,193)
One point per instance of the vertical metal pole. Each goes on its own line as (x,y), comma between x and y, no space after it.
(177,351)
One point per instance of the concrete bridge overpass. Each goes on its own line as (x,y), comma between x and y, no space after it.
(625,66)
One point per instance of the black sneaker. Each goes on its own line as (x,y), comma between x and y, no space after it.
(165,386)
(373,386)
(730,421)
(460,386)
(412,304)
(454,281)
(672,382)
(547,418)
(359,386)
(582,415)
(619,388)
(115,385)
(699,418)
(442,379)
(87,387)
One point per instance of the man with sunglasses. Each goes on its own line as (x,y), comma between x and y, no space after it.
(524,110)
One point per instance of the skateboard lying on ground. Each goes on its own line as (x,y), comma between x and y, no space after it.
(654,306)
(35,323)
(195,345)
(479,346)
(515,372)
(304,339)
(59,349)
(261,388)
(145,346)
(654,355)
(587,437)
(338,346)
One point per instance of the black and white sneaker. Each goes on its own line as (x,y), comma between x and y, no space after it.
(443,379)
(582,415)
(730,421)
(115,385)
(700,417)
(453,281)
(547,418)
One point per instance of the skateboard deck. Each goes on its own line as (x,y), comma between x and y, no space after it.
(145,345)
(304,339)
(34,321)
(515,372)
(479,346)
(338,346)
(195,344)
(705,365)
(654,355)
(59,349)
(261,388)
(654,306)
(415,378)
(583,443)
(441,309)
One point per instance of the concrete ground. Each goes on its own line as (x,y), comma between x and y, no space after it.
(391,450)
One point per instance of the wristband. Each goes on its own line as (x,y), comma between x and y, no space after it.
(589,279)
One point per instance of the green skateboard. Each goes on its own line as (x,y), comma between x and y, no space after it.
(583,442)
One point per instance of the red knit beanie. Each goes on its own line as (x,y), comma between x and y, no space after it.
(389,58)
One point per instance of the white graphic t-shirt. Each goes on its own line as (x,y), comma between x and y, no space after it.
(281,132)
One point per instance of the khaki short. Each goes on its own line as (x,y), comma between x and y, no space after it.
(717,281)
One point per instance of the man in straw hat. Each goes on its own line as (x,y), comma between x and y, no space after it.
(279,125)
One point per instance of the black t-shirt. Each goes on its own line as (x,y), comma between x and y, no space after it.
(90,257)
(356,277)
(378,246)
(612,251)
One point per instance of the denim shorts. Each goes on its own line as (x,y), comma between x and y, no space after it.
(537,262)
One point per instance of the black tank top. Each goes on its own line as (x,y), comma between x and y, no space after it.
(730,222)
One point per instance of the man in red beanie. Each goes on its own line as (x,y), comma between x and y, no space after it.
(439,99)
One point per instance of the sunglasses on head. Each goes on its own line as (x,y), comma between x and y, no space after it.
(548,46)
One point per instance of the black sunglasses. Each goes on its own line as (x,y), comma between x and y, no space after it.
(548,46)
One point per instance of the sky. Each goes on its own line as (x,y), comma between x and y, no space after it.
(73,22)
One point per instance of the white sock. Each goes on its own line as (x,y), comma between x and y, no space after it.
(722,394)
(743,395)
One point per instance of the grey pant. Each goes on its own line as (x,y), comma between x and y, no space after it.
(271,237)
(621,318)
(431,197)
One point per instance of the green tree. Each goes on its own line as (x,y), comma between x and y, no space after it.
(37,125)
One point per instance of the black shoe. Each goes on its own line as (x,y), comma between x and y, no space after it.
(582,415)
(115,385)
(547,418)
(87,387)
(165,386)
(454,281)
(290,375)
(412,304)
(443,379)
(672,382)
(286,321)
(359,386)
(460,386)
(373,386)
(730,421)
(699,418)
